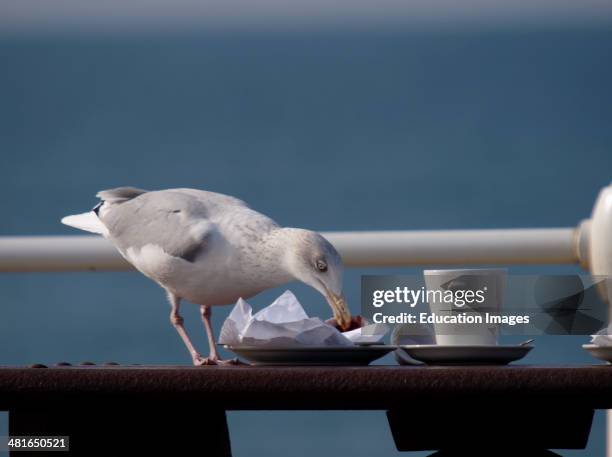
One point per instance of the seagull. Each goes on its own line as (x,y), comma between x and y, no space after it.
(211,249)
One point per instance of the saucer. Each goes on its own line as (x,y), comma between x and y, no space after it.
(599,352)
(433,354)
(312,355)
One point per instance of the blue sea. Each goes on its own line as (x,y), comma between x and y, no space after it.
(330,130)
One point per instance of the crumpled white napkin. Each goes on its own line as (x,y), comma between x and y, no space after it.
(603,337)
(285,323)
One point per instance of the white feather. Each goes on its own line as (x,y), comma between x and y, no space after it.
(86,221)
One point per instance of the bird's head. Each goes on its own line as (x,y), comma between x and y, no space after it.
(314,261)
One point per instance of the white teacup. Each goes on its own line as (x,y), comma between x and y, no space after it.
(487,285)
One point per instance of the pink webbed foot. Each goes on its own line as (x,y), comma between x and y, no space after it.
(199,361)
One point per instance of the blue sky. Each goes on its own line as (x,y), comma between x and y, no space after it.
(26,15)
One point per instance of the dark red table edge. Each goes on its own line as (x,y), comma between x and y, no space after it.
(125,401)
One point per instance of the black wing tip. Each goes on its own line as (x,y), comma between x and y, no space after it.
(96,209)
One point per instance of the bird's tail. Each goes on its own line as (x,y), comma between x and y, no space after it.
(86,221)
(90,222)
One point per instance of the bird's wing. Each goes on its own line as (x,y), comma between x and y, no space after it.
(119,194)
(178,222)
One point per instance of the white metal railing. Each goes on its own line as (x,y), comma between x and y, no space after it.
(385,248)
(589,244)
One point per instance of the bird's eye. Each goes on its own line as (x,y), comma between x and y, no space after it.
(321,265)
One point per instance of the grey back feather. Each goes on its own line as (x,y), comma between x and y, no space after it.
(120,194)
(174,220)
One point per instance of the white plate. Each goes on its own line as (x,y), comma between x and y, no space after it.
(311,355)
(599,352)
(433,354)
(404,335)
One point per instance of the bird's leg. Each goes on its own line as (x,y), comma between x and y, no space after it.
(177,321)
(205,312)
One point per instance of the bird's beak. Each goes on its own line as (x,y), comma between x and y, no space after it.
(342,315)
